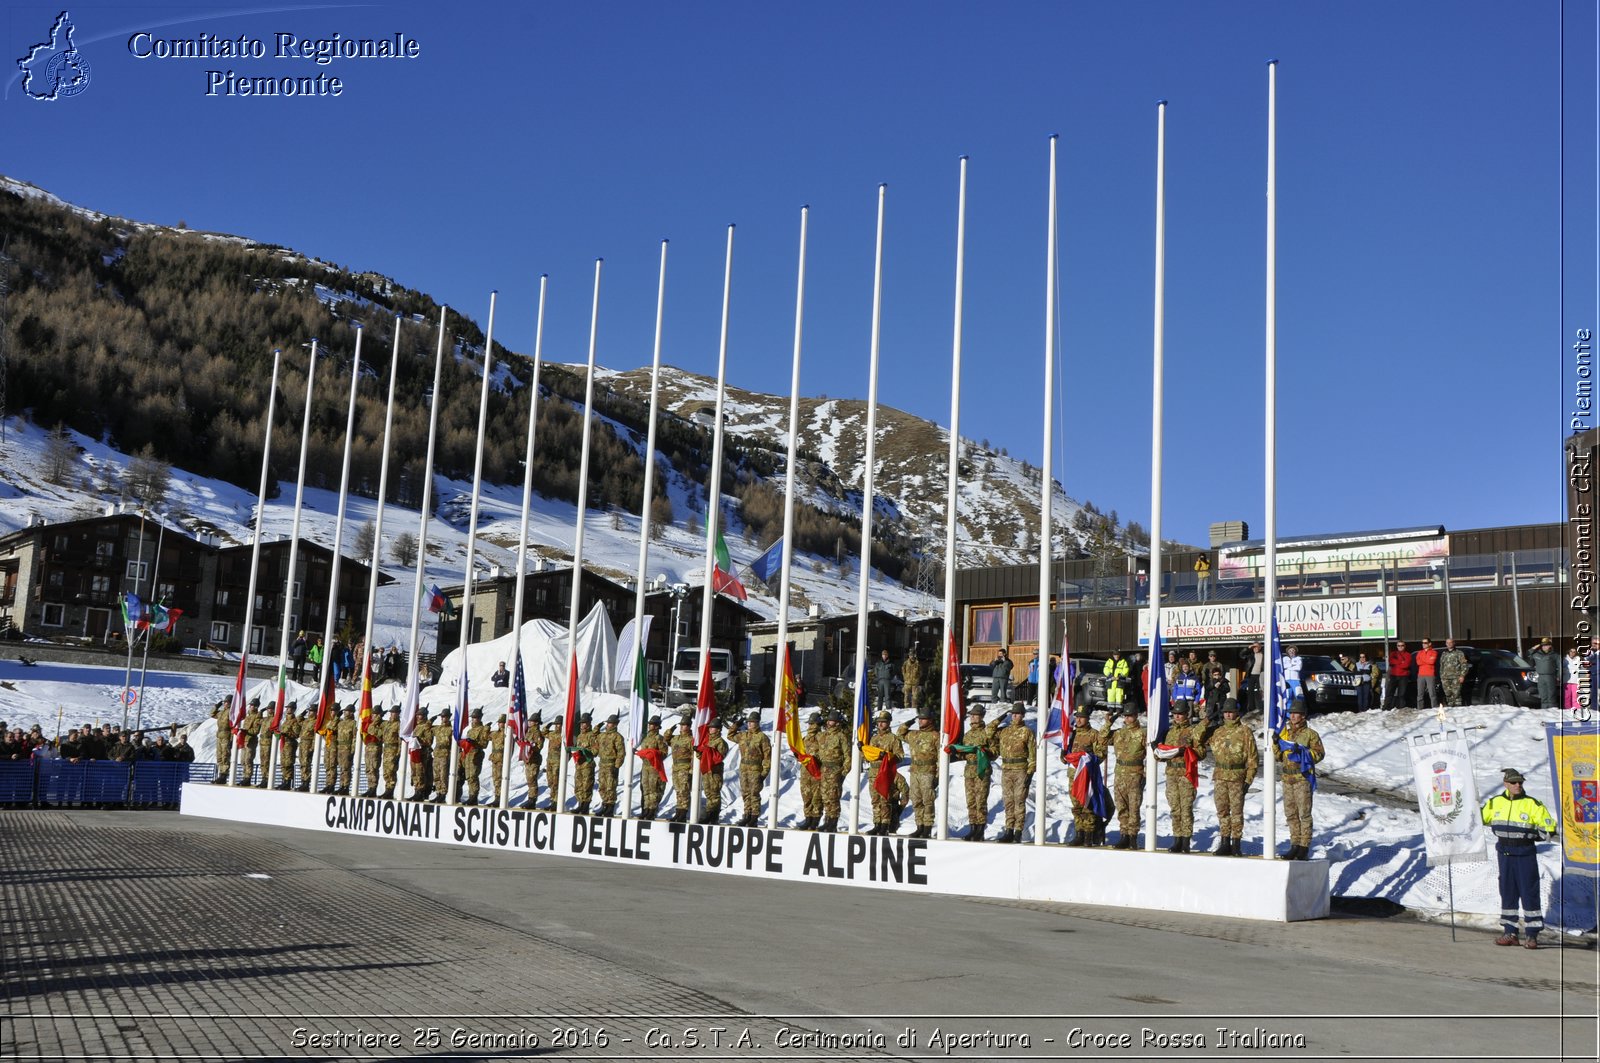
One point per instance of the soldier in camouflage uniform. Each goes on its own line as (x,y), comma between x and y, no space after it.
(755,763)
(250,727)
(1127,785)
(1453,666)
(1018,750)
(1088,828)
(422,763)
(268,738)
(497,757)
(1182,735)
(1297,785)
(885,813)
(220,713)
(711,780)
(288,745)
(552,763)
(345,734)
(650,783)
(833,756)
(811,785)
(371,754)
(530,753)
(583,772)
(389,731)
(443,738)
(307,746)
(610,750)
(923,747)
(474,740)
(1232,748)
(978,735)
(911,676)
(680,741)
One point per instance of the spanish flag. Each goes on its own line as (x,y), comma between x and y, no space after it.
(789,717)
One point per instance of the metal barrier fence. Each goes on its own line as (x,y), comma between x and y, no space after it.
(97,783)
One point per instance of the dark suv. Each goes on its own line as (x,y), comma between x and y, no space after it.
(1326,685)
(1498,677)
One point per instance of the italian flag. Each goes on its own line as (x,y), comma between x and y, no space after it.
(638,695)
(723,581)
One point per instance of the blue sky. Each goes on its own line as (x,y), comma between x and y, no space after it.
(1421,376)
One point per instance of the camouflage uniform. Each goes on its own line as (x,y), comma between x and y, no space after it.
(474,739)
(610,752)
(923,747)
(1232,748)
(583,773)
(1453,667)
(980,736)
(810,785)
(307,746)
(345,734)
(530,752)
(650,784)
(885,810)
(911,676)
(680,742)
(224,738)
(250,727)
(264,748)
(711,781)
(497,759)
(389,732)
(552,763)
(288,745)
(1296,786)
(833,754)
(1019,751)
(1088,828)
(1180,793)
(1127,747)
(371,755)
(422,766)
(443,738)
(755,765)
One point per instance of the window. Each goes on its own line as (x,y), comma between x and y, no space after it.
(986,625)
(55,580)
(100,584)
(137,569)
(258,638)
(1025,623)
(53,615)
(61,542)
(221,599)
(166,591)
(104,548)
(220,631)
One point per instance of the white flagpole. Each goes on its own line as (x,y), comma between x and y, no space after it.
(574,677)
(1269,754)
(462,707)
(863,605)
(255,565)
(294,530)
(1157,387)
(788,526)
(331,624)
(144,659)
(129,634)
(364,665)
(713,521)
(644,533)
(410,706)
(942,824)
(512,755)
(1046,500)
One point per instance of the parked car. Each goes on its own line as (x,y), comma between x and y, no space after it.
(977,682)
(1327,685)
(1498,677)
(1089,682)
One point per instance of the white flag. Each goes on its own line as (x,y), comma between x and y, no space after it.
(1447,798)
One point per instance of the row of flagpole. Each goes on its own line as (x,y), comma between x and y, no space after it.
(786,726)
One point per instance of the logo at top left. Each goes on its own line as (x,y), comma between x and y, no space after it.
(55,69)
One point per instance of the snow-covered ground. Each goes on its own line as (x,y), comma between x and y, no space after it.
(1372,841)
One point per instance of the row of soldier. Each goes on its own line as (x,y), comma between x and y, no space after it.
(599,754)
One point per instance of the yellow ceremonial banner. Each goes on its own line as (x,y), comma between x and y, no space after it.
(789,707)
(1575,772)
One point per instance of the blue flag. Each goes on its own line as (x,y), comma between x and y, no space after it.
(1278,707)
(1158,700)
(770,563)
(459,721)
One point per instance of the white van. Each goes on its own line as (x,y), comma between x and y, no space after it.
(684,687)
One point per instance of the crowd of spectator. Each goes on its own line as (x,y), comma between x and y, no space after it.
(86,743)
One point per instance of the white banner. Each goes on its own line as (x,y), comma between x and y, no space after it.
(1302,619)
(1447,798)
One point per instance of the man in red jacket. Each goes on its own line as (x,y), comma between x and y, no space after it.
(1399,679)
(1426,662)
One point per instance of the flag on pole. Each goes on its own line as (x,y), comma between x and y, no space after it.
(869,752)
(768,564)
(437,602)
(364,716)
(132,611)
(409,708)
(789,716)
(1278,714)
(236,717)
(1061,677)
(517,718)
(458,720)
(633,675)
(326,706)
(1158,695)
(570,724)
(955,709)
(638,698)
(277,709)
(705,704)
(723,581)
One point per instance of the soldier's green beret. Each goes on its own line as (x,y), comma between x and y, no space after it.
(654,721)
(1017,708)
(477,714)
(1230,705)
(1130,709)
(612,718)
(753,717)
(1180,708)
(975,710)
(1082,713)
(255,703)
(924,714)
(883,715)
(1297,707)
(395,711)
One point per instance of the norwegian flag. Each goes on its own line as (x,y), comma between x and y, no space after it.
(1057,726)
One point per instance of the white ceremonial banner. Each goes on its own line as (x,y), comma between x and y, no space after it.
(1447,798)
